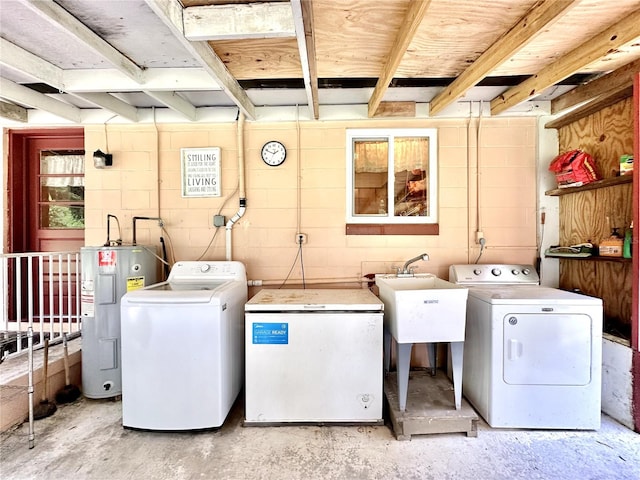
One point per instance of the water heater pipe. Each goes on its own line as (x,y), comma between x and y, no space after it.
(108,243)
(158,219)
(241,188)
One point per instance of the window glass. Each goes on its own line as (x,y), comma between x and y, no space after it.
(392,176)
(411,176)
(61,195)
(57,216)
(371,171)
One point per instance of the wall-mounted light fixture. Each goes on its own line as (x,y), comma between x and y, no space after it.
(101,159)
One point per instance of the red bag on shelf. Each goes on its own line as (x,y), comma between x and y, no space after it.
(574,168)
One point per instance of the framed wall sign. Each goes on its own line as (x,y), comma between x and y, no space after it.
(200,172)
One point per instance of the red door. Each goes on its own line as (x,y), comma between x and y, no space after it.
(56,196)
(46,209)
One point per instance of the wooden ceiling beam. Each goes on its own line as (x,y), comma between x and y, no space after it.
(175,102)
(31,65)
(13,112)
(171,12)
(622,77)
(111,80)
(303,21)
(234,22)
(410,24)
(528,28)
(62,19)
(15,57)
(621,33)
(23,95)
(110,103)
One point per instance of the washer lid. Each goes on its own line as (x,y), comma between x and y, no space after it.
(314,300)
(179,293)
(529,294)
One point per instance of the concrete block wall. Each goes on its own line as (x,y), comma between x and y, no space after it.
(145,180)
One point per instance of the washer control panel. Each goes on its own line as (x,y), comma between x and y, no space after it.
(493,274)
(196,271)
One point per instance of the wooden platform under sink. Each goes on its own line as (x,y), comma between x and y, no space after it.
(430,407)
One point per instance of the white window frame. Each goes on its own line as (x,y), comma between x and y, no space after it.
(389,134)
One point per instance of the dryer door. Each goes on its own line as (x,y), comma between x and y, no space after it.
(547,349)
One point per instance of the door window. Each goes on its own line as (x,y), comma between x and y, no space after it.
(61,197)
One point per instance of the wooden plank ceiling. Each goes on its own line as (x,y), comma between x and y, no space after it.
(523,46)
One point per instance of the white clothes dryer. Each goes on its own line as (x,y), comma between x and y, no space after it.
(183,347)
(532,354)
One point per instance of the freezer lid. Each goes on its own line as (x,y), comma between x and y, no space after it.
(314,300)
(530,294)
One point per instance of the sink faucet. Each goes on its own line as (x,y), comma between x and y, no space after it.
(406,270)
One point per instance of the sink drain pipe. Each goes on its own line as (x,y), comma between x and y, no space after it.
(241,188)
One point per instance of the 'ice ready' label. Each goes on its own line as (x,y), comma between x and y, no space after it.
(271,333)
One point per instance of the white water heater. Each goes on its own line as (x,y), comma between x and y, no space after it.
(108,272)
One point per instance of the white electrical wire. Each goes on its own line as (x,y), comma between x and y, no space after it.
(482,242)
(106,137)
(295,260)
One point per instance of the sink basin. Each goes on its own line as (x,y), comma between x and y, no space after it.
(423,308)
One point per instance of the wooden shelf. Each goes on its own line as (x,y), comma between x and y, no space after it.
(594,258)
(607,182)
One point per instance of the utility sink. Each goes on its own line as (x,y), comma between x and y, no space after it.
(423,308)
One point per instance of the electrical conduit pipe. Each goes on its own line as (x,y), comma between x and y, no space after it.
(241,188)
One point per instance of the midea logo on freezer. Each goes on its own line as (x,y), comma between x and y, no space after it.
(431,301)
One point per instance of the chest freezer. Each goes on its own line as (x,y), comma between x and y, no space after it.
(313,355)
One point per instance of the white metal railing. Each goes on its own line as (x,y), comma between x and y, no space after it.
(41,291)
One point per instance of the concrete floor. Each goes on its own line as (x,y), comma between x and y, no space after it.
(85,440)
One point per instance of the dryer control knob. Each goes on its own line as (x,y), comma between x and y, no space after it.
(477,271)
(205,268)
(526,271)
(496,272)
(515,272)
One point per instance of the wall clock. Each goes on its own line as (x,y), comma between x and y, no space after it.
(273,153)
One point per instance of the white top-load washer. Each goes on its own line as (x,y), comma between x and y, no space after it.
(183,347)
(532,354)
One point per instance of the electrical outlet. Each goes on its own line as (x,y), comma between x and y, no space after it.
(301,238)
